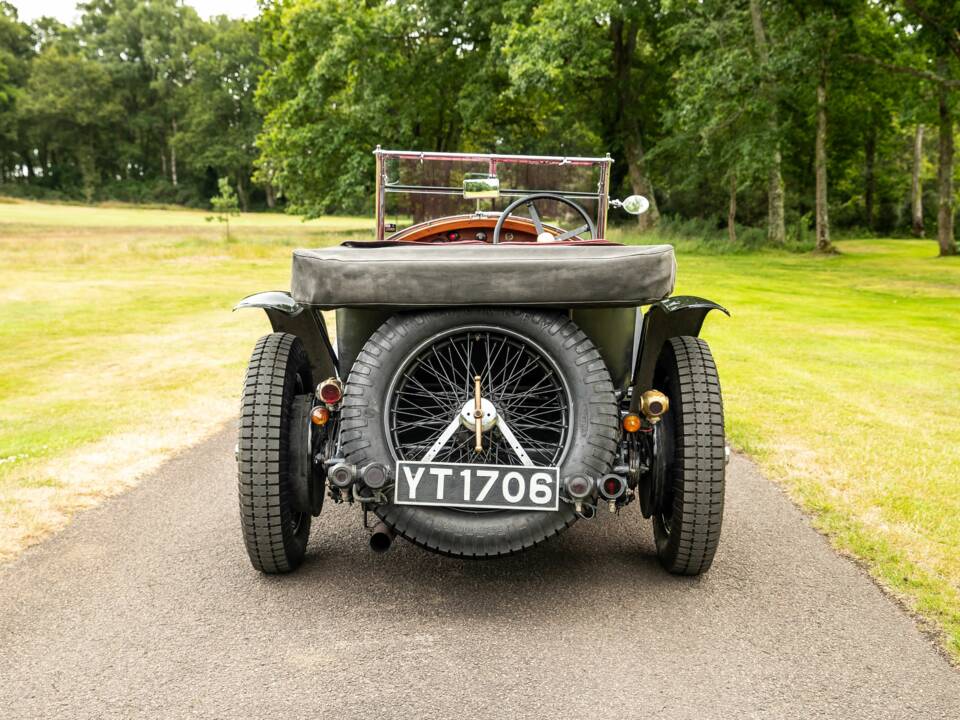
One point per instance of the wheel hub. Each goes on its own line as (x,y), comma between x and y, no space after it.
(488,417)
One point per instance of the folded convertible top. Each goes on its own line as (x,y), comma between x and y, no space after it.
(412,275)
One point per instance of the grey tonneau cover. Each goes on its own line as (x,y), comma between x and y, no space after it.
(410,275)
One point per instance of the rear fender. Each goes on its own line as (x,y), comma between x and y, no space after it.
(673,317)
(307,323)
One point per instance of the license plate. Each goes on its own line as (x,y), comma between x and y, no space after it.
(500,487)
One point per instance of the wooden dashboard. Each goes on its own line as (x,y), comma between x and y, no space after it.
(471,227)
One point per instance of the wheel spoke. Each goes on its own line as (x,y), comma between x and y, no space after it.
(571,233)
(521,383)
(535,216)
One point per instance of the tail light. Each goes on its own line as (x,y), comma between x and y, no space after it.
(342,474)
(330,391)
(579,487)
(375,475)
(612,486)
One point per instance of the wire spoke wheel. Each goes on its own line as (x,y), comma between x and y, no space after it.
(437,381)
(542,382)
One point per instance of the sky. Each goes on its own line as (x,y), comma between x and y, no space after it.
(65,10)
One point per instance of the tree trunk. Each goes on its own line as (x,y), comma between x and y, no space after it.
(271,195)
(776,227)
(776,224)
(948,244)
(163,163)
(640,182)
(28,161)
(869,176)
(242,193)
(916,189)
(823,219)
(86,158)
(624,37)
(173,153)
(732,211)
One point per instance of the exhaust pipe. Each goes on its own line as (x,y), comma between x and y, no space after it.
(381,538)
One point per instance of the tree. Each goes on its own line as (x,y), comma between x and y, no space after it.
(776,229)
(929,50)
(824,29)
(224,204)
(16,51)
(68,105)
(341,76)
(715,139)
(143,47)
(589,71)
(816,31)
(745,112)
(219,121)
(171,33)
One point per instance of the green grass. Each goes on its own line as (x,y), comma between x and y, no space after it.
(85,306)
(840,374)
(118,320)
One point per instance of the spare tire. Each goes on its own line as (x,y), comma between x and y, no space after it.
(417,370)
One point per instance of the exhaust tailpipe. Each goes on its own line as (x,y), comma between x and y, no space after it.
(381,538)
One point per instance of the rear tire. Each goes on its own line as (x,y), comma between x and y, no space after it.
(274,533)
(687,529)
(590,443)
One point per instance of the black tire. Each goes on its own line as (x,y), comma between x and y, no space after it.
(687,529)
(275,535)
(590,442)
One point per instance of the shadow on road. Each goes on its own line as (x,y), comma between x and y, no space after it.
(608,559)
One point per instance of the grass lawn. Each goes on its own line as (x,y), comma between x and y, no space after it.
(117,344)
(840,374)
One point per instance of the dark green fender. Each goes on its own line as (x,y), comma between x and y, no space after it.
(306,323)
(673,317)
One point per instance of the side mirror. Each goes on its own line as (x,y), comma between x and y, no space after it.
(635,204)
(478,185)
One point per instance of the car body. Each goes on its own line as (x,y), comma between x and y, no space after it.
(494,377)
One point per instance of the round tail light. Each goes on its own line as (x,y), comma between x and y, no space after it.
(579,487)
(612,486)
(374,475)
(330,391)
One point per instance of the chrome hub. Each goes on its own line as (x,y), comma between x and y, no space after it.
(488,417)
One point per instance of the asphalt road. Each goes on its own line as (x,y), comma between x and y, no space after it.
(147,607)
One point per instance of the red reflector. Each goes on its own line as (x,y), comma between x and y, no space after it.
(330,393)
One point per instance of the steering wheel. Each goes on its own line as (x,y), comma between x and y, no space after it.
(529,201)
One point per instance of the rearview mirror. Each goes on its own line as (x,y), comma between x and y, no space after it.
(477,185)
(635,204)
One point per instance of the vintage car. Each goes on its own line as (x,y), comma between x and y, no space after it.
(493,378)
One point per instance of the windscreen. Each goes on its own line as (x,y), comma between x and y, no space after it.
(419,190)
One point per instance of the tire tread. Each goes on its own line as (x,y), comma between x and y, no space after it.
(699,473)
(265,498)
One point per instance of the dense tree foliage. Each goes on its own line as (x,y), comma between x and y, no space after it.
(138,101)
(790,116)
